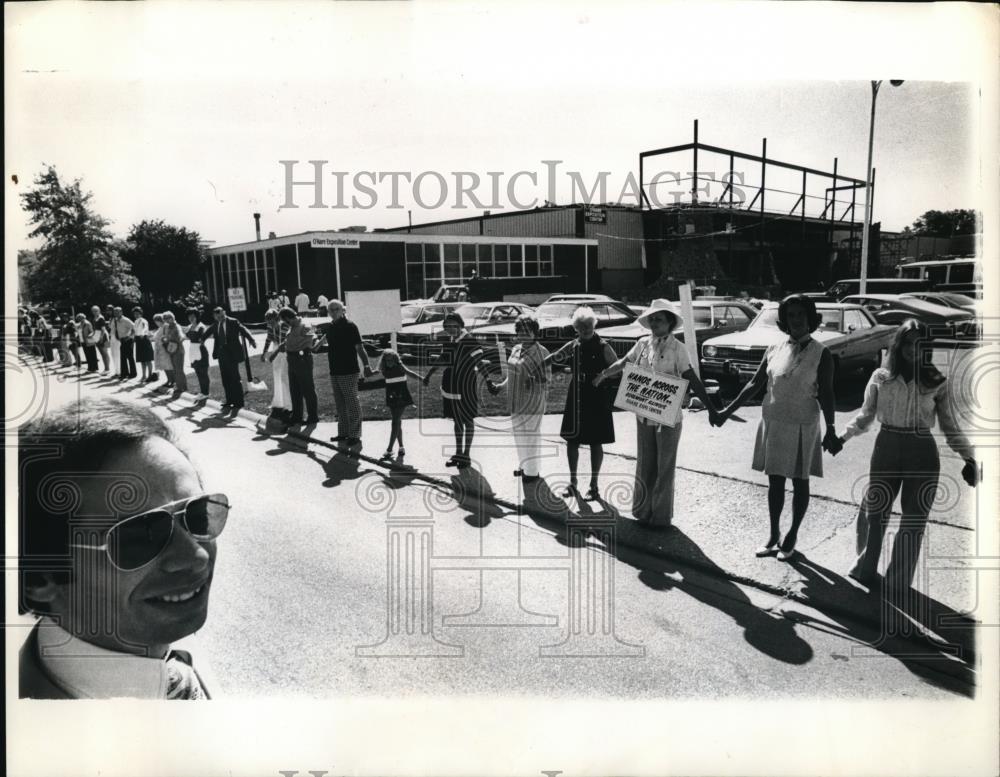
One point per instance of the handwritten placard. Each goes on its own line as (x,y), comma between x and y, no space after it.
(651,395)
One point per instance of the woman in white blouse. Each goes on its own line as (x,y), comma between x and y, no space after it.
(905,397)
(656,444)
(527,379)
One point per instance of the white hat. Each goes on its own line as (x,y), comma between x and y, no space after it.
(660,306)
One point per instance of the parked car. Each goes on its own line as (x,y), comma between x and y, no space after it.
(555,319)
(896,308)
(711,318)
(953,299)
(854,337)
(843,288)
(422,340)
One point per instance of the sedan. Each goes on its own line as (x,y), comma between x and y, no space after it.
(711,318)
(423,339)
(555,319)
(854,337)
(896,308)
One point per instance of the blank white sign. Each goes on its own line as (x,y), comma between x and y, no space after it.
(374,312)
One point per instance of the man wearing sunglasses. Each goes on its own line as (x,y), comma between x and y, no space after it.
(117,553)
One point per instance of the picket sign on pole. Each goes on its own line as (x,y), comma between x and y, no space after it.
(687,313)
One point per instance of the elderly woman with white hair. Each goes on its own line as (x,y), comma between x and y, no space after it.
(173,343)
(587,418)
(656,444)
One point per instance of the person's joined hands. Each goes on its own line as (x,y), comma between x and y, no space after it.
(832,444)
(971,472)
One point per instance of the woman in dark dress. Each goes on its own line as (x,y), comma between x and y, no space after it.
(459,384)
(587,418)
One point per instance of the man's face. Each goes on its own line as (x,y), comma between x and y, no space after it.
(117,312)
(219,316)
(138,619)
(336,311)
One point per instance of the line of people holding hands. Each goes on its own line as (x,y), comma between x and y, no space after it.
(907,396)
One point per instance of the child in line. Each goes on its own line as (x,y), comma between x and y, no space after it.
(397,396)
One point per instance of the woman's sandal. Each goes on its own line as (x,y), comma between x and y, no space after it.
(593,494)
(770,549)
(571,489)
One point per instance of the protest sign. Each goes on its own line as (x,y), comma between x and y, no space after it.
(651,395)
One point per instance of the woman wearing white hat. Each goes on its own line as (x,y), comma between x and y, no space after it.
(656,444)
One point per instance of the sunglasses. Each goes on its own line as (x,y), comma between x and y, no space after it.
(139,539)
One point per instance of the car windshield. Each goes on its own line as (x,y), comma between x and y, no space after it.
(431,313)
(768,318)
(410,314)
(558,309)
(702,316)
(473,312)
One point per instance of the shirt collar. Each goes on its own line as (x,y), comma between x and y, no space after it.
(801,342)
(87,671)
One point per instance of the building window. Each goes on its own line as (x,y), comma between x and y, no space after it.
(468,260)
(531,261)
(516,262)
(501,266)
(484,263)
(545,260)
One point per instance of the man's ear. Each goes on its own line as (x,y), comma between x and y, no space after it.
(43,587)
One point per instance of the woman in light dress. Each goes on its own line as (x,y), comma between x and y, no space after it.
(281,399)
(798,372)
(528,376)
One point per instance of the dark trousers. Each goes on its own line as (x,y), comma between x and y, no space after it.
(201,370)
(301,385)
(128,358)
(904,465)
(90,353)
(231,384)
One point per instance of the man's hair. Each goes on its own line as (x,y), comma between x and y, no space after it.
(58,451)
(219,309)
(453,318)
(287,312)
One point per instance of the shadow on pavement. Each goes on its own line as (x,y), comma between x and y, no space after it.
(934,642)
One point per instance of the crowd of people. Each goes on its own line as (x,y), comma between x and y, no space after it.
(907,396)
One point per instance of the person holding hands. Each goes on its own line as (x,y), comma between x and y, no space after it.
(397,396)
(527,378)
(656,444)
(587,416)
(459,385)
(906,397)
(798,374)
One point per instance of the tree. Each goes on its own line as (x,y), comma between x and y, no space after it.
(78,262)
(166,259)
(946,223)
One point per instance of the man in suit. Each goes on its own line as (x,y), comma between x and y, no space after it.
(228,334)
(120,571)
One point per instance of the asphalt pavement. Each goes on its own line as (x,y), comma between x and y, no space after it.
(318,590)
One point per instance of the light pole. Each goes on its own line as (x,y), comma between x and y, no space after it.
(863,286)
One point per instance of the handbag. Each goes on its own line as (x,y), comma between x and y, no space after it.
(171,346)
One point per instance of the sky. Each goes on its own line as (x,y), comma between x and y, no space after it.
(184,112)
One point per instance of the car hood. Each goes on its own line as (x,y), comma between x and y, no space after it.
(764,336)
